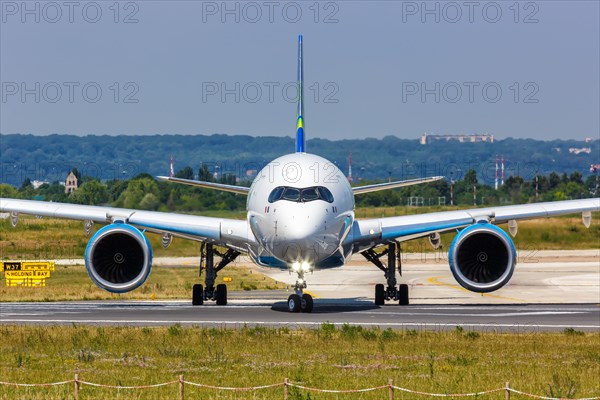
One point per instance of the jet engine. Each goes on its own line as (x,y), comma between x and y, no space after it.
(118,258)
(482,258)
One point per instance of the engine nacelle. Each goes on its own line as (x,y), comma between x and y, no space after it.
(482,258)
(118,258)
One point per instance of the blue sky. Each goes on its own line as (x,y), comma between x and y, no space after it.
(377,68)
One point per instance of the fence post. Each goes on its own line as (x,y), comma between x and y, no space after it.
(181,393)
(285,388)
(76,387)
(390,389)
(507,392)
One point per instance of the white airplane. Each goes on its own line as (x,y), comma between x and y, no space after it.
(300,216)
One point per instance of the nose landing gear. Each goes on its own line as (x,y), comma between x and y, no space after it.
(300,301)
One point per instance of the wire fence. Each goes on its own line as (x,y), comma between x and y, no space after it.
(286,385)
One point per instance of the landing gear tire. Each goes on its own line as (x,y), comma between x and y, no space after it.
(403,295)
(306,303)
(379,294)
(197,295)
(221,295)
(294,303)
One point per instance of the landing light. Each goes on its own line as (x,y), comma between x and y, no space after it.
(305,266)
(296,266)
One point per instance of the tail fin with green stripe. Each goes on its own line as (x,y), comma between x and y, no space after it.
(300,140)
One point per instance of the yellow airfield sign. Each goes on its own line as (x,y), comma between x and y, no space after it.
(18,274)
(26,265)
(26,273)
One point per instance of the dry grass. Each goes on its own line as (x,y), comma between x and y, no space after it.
(350,357)
(45,238)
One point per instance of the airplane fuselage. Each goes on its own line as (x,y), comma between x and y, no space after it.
(300,210)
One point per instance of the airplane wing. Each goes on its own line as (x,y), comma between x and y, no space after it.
(403,228)
(208,185)
(391,185)
(223,231)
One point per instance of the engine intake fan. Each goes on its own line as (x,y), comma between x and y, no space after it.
(482,258)
(118,258)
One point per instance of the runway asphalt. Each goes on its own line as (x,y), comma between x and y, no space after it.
(265,312)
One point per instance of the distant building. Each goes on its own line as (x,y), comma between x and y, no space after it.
(485,137)
(575,150)
(71,183)
(36,184)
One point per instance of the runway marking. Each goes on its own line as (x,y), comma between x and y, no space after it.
(434,280)
(513,314)
(303,323)
(312,294)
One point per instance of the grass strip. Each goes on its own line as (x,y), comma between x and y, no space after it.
(563,364)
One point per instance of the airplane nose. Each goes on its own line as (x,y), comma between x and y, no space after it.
(310,235)
(297,228)
(300,225)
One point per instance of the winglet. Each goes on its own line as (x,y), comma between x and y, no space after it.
(300,141)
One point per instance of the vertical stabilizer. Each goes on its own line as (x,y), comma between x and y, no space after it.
(300,140)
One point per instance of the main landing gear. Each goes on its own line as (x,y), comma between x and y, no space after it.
(300,301)
(207,263)
(400,293)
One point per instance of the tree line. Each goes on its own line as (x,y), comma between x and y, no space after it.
(49,158)
(145,192)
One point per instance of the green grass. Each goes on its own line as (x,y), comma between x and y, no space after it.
(347,357)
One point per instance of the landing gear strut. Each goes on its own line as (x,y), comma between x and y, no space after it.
(300,301)
(392,292)
(207,264)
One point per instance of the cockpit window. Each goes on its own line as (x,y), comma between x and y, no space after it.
(310,194)
(276,194)
(325,194)
(301,194)
(291,194)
